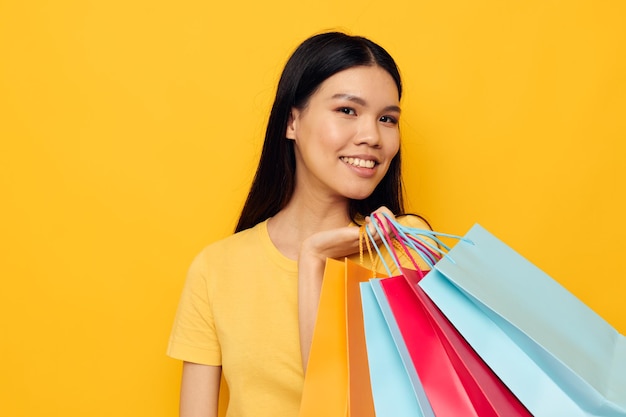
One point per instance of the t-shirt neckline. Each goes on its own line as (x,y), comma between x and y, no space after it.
(275,255)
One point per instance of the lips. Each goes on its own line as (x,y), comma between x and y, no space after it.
(358,162)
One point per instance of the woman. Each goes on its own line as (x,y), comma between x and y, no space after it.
(330,156)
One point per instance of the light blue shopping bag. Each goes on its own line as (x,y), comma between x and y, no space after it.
(556,355)
(396,391)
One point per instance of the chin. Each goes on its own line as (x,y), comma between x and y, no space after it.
(359,195)
(359,190)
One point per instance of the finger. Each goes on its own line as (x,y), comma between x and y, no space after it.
(371,229)
(382,216)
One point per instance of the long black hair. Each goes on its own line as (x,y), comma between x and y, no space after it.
(315,60)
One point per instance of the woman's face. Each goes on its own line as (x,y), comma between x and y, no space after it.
(347,135)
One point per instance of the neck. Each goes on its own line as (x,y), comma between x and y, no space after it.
(301,218)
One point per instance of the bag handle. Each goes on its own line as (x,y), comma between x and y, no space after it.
(388,239)
(413,238)
(373,241)
(363,236)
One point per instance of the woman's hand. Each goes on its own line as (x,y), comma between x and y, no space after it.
(344,241)
(335,243)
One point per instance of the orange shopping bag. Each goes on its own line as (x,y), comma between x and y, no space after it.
(337,381)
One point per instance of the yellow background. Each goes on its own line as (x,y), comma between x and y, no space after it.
(130,130)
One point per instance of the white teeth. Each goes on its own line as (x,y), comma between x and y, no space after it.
(362,163)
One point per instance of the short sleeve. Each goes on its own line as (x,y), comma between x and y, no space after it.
(193,337)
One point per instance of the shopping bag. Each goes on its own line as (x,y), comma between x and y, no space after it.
(396,389)
(327,370)
(554,353)
(456,381)
(360,401)
(337,380)
(478,379)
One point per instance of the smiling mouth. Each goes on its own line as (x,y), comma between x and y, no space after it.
(357,162)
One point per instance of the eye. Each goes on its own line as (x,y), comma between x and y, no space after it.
(346,110)
(389,119)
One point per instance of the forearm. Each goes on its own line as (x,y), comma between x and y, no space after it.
(311,263)
(314,251)
(310,274)
(199,391)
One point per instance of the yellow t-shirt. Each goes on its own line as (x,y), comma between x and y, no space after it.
(239,310)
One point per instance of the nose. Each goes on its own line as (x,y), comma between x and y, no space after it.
(369,133)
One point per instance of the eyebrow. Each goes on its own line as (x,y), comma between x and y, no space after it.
(360,101)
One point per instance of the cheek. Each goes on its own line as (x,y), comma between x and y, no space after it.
(393,144)
(331,135)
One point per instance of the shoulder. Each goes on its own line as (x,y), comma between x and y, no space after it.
(232,248)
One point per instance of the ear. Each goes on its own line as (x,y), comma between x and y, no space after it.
(292,124)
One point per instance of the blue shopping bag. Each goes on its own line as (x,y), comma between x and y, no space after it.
(396,389)
(555,354)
